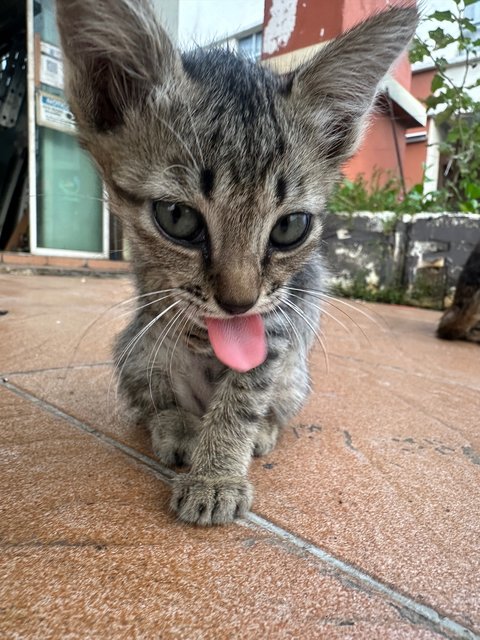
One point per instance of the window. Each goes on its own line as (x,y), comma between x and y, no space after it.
(251,46)
(472,12)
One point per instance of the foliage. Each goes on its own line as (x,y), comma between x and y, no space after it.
(452,104)
(360,291)
(383,193)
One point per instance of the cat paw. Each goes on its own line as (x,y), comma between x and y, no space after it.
(206,501)
(265,440)
(174,437)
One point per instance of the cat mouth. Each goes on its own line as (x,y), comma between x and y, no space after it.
(239,342)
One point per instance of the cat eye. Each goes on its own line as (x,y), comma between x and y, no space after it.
(179,222)
(290,231)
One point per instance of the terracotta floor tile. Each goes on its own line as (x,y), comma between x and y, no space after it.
(378,470)
(401,338)
(383,471)
(382,468)
(89,394)
(87,549)
(47,317)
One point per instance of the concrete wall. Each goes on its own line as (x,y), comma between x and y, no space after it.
(417,257)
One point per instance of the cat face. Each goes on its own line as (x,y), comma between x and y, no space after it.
(218,168)
(219,190)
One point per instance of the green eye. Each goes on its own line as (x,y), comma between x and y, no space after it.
(290,231)
(179,222)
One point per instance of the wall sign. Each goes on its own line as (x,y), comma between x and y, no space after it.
(51,65)
(54,112)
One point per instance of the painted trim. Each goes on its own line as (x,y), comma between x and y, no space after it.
(105,224)
(289,61)
(286,62)
(67,253)
(404,99)
(32,147)
(432,161)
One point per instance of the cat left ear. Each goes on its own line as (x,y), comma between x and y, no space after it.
(115,53)
(338,86)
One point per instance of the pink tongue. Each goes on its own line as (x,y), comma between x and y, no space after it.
(238,342)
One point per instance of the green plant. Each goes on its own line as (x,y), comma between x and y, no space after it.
(359,290)
(383,193)
(455,109)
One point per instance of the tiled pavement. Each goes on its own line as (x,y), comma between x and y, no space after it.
(366,521)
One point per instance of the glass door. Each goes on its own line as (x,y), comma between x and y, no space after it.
(68,214)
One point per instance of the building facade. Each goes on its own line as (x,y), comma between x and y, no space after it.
(58,201)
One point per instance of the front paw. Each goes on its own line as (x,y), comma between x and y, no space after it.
(208,500)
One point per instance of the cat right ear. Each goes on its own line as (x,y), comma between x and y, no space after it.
(115,54)
(337,88)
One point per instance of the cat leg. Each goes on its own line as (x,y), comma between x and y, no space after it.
(291,391)
(175,435)
(217,489)
(266,437)
(150,401)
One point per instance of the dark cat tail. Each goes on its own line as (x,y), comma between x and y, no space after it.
(462,320)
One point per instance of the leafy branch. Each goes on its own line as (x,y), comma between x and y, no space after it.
(452,105)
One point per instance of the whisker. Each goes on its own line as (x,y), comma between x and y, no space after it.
(278,313)
(133,342)
(324,311)
(148,304)
(328,300)
(383,327)
(170,375)
(302,315)
(292,326)
(111,308)
(90,326)
(155,350)
(180,333)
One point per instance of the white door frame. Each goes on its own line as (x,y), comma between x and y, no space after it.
(32,164)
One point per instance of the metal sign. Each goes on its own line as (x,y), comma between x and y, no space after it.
(54,112)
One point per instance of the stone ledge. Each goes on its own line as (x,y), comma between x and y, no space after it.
(13,261)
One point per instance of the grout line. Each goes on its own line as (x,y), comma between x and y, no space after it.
(439,622)
(164,473)
(363,578)
(67,367)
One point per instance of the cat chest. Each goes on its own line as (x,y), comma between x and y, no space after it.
(194,380)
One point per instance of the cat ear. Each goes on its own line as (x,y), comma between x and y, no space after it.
(115,53)
(338,86)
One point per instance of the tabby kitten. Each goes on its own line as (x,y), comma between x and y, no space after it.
(462,320)
(219,170)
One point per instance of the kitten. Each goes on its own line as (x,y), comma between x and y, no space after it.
(462,320)
(219,170)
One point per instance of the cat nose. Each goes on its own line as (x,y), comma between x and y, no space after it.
(235,308)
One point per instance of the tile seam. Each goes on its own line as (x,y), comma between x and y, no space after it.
(361,577)
(164,473)
(439,622)
(399,369)
(83,365)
